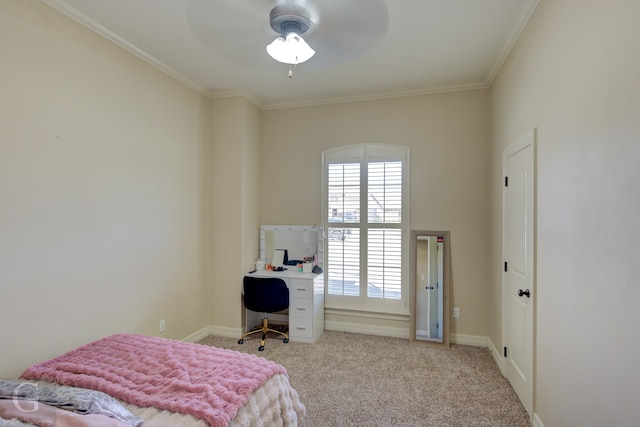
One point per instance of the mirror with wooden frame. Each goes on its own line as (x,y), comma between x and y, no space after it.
(429,290)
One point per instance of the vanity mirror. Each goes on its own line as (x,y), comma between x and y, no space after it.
(299,241)
(430,286)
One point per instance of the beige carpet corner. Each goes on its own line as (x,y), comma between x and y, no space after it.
(347,379)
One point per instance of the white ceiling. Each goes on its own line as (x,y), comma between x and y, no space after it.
(365,48)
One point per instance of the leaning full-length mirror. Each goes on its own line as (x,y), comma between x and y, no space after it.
(430,286)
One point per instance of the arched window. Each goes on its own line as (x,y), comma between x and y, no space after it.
(365,201)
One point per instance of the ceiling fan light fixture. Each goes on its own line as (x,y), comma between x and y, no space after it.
(291,49)
(291,22)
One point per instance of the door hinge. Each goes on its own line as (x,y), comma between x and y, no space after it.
(506,181)
(505,351)
(505,266)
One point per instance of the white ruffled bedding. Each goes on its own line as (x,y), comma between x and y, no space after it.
(273,403)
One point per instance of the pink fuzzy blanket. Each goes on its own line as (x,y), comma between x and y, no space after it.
(204,381)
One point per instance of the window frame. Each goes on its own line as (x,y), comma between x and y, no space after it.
(367,153)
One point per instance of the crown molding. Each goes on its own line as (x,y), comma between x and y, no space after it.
(517,27)
(236,93)
(78,15)
(375,96)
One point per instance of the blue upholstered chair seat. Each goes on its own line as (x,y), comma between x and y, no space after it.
(265,295)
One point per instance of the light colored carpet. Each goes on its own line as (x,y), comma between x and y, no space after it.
(347,379)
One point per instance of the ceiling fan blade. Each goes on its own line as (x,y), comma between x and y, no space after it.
(235,30)
(347,30)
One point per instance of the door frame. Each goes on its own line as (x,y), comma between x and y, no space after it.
(529,139)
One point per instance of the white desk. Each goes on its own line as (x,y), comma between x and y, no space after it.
(306,304)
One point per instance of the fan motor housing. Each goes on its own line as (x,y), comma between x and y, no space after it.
(286,18)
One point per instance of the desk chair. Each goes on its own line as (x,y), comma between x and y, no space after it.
(265,295)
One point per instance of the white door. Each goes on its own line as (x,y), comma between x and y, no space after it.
(518,296)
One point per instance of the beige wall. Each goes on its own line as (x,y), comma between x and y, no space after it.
(236,169)
(102,189)
(574,76)
(448,135)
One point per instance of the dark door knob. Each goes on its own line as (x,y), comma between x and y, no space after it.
(429,287)
(525,293)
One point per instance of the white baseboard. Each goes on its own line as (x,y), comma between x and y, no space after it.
(220,331)
(198,335)
(536,422)
(223,331)
(473,340)
(356,328)
(497,357)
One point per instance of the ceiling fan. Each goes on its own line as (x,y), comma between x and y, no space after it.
(240,31)
(290,21)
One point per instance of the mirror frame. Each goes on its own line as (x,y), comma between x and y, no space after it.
(446,277)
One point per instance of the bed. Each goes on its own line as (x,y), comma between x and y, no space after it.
(135,380)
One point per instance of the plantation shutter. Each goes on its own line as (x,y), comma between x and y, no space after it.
(344,242)
(384,245)
(365,226)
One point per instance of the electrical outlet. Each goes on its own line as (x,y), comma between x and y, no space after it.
(456,312)
(162,325)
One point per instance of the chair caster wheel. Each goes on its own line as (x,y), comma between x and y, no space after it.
(240,341)
(286,340)
(261,348)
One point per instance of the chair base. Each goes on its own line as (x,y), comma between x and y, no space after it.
(264,330)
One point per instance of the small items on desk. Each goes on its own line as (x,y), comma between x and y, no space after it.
(274,268)
(307,264)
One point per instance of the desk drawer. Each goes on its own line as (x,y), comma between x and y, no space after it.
(301,289)
(300,328)
(299,307)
